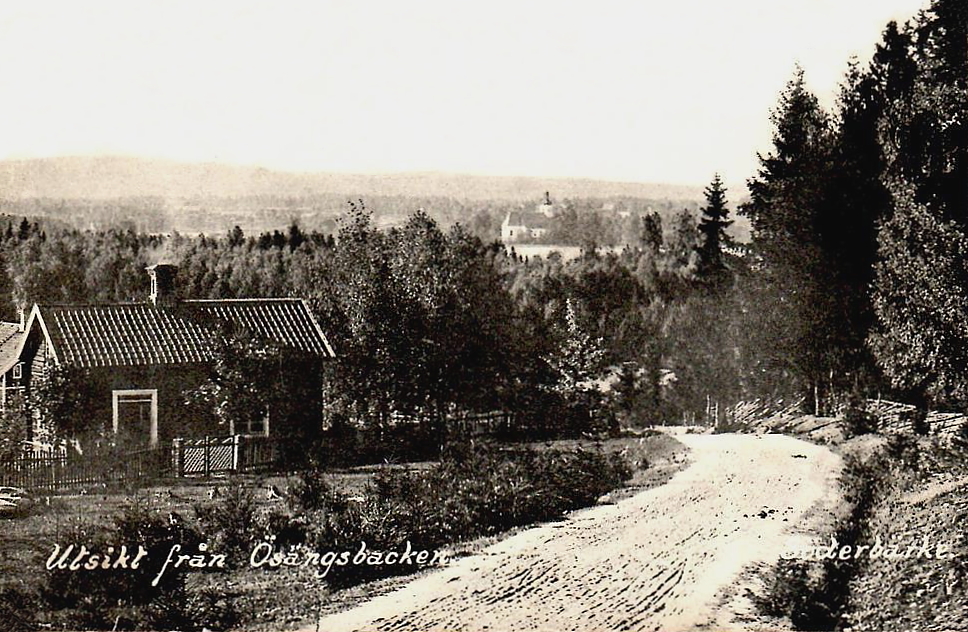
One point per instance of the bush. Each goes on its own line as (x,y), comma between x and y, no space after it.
(857,419)
(471,492)
(918,418)
(231,525)
(18,609)
(109,599)
(311,491)
(792,591)
(960,437)
(285,527)
(210,609)
(14,421)
(902,452)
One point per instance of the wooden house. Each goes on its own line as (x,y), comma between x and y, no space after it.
(11,367)
(141,358)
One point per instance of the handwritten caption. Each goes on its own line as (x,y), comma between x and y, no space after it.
(263,555)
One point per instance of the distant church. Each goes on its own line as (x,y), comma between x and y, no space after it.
(528,225)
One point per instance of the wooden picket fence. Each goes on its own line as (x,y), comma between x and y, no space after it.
(70,471)
(183,458)
(479,424)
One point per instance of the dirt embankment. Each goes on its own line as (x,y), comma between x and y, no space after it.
(926,505)
(662,559)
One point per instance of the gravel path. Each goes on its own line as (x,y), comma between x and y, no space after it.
(658,560)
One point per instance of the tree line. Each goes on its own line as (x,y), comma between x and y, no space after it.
(426,322)
(859,221)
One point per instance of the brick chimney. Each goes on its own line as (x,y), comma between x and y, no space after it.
(162,284)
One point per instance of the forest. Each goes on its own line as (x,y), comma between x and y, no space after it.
(852,286)
(424,321)
(606,221)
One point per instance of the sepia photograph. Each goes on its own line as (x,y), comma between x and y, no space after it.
(504,316)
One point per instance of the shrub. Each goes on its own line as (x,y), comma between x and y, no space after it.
(473,491)
(209,608)
(792,591)
(108,599)
(311,490)
(18,609)
(231,525)
(284,526)
(14,421)
(960,437)
(901,452)
(857,419)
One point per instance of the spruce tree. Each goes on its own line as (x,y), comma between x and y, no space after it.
(792,330)
(713,223)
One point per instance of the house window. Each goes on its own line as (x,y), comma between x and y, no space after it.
(136,414)
(18,371)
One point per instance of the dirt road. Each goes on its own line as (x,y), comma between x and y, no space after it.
(659,560)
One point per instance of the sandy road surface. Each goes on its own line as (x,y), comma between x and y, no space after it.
(658,560)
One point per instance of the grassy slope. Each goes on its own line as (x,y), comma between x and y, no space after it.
(929,499)
(924,495)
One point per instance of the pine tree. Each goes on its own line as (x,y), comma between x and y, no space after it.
(295,236)
(236,237)
(651,236)
(23,232)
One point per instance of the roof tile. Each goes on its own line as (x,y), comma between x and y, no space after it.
(142,334)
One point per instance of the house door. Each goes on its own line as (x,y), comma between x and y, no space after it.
(136,415)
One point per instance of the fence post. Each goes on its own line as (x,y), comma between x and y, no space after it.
(177,457)
(207,451)
(236,462)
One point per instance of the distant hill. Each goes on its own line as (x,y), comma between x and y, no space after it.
(124,177)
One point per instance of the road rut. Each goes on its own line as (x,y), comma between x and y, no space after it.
(657,561)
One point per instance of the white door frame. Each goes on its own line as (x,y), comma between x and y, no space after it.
(153,392)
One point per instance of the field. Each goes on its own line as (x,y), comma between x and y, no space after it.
(567,252)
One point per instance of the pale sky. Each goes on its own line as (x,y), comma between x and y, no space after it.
(640,90)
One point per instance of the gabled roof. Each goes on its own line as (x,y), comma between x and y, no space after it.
(286,321)
(130,334)
(11,339)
